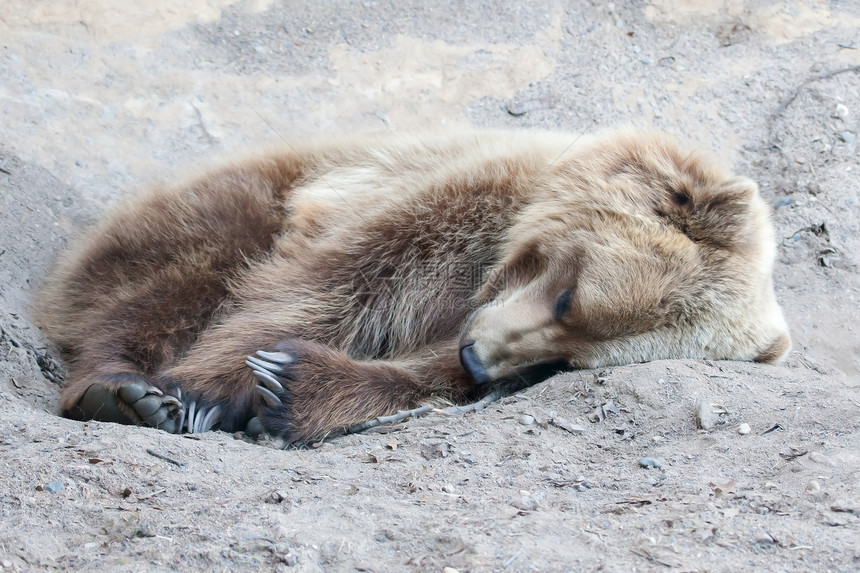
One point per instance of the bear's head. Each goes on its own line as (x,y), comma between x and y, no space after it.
(633,250)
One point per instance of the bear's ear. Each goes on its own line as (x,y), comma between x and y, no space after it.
(720,215)
(519,266)
(776,351)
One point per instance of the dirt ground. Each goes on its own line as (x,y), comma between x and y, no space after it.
(100,98)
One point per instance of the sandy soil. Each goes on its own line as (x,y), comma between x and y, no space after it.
(98,99)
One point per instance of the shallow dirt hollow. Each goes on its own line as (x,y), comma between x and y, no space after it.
(101,98)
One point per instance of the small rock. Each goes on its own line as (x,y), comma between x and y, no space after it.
(704,416)
(650,463)
(560,422)
(276,497)
(813,486)
(764,538)
(845,506)
(525,503)
(6,564)
(527,420)
(849,137)
(449,570)
(841,111)
(54,486)
(448,488)
(289,559)
(820,458)
(814,188)
(517,107)
(744,429)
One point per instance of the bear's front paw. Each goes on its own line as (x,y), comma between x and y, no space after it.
(277,372)
(310,391)
(272,370)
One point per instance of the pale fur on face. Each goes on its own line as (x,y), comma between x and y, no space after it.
(666,256)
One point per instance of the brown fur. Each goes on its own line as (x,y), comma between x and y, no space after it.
(374,260)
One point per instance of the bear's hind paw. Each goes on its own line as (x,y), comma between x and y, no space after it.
(135,401)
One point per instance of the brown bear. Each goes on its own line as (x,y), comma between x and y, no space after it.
(317,286)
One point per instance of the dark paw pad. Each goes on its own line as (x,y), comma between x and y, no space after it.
(134,402)
(254,427)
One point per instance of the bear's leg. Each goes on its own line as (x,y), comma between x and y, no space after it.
(139,332)
(309,390)
(306,389)
(151,280)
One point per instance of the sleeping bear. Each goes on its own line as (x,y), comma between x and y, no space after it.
(313,287)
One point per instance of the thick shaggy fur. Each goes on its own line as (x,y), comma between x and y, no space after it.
(372,262)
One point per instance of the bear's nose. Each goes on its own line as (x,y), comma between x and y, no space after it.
(471,363)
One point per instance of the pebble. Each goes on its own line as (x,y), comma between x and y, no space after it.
(449,570)
(744,429)
(525,503)
(846,506)
(6,563)
(820,458)
(276,497)
(517,108)
(813,486)
(841,111)
(448,488)
(555,420)
(527,420)
(704,416)
(764,538)
(650,463)
(54,486)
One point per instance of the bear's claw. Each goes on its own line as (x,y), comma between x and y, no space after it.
(199,420)
(272,370)
(263,371)
(276,357)
(269,397)
(266,369)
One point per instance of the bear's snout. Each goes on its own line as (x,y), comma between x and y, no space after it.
(471,363)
